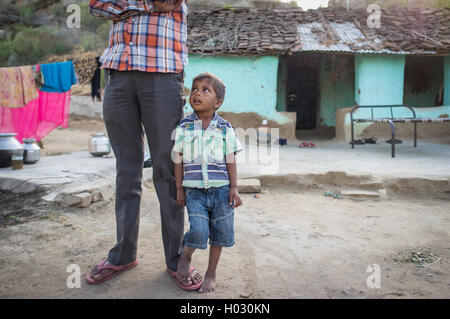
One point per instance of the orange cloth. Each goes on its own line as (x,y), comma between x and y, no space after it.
(18,86)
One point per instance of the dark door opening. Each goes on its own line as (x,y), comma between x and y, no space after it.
(301,93)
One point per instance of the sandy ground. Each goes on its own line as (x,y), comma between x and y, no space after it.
(290,243)
(73,138)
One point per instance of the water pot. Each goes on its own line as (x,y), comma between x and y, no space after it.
(9,146)
(32,152)
(99,145)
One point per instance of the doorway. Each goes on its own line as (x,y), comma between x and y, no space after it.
(302,90)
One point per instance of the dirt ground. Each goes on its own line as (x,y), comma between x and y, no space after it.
(290,243)
(73,138)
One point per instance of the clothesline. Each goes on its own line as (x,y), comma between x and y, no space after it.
(31,108)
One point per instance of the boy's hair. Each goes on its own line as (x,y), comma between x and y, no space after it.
(216,83)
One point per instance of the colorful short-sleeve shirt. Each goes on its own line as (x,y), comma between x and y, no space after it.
(204,151)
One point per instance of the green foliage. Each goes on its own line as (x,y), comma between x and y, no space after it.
(88,21)
(103,34)
(5,52)
(58,10)
(26,14)
(228,7)
(30,46)
(88,42)
(441,4)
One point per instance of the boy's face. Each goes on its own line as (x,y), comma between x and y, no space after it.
(203,97)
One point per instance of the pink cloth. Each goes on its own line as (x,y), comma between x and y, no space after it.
(38,118)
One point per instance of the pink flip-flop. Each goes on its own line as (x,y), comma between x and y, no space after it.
(101,266)
(183,286)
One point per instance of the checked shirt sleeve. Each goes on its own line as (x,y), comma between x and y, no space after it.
(119,9)
(232,144)
(178,146)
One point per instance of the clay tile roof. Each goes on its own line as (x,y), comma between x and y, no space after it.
(261,32)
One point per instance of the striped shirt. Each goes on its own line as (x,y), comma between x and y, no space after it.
(204,151)
(141,39)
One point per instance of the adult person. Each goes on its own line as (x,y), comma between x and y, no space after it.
(145,60)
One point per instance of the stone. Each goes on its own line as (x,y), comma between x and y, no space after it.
(65,199)
(42,19)
(383,194)
(249,185)
(85,199)
(360,194)
(372,185)
(97,196)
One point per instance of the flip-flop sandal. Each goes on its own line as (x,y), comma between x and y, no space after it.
(358,142)
(183,286)
(101,266)
(303,144)
(372,140)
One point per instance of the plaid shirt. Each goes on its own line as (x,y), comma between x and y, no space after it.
(204,151)
(143,40)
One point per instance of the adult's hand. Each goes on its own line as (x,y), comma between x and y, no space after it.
(166,6)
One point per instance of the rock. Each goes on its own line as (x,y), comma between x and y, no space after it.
(359,194)
(249,186)
(383,194)
(81,200)
(246,294)
(42,19)
(372,185)
(65,199)
(97,196)
(85,199)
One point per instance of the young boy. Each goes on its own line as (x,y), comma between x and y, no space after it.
(206,177)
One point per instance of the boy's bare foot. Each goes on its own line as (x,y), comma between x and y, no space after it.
(184,273)
(209,284)
(196,277)
(183,270)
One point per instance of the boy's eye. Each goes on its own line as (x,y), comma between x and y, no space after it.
(206,90)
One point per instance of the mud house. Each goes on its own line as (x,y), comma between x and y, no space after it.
(303,70)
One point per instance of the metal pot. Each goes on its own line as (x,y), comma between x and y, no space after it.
(9,146)
(99,145)
(32,152)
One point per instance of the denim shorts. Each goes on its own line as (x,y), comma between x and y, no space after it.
(210,216)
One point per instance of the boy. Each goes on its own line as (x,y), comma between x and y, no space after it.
(206,178)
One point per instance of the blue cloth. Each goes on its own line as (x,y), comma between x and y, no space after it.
(210,216)
(58,77)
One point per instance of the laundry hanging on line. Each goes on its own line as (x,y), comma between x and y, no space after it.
(96,82)
(49,110)
(38,118)
(85,69)
(18,86)
(58,77)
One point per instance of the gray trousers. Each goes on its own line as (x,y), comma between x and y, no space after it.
(134,100)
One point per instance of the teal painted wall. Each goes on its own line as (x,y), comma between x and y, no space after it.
(379,79)
(337,86)
(251,83)
(423,67)
(447,80)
